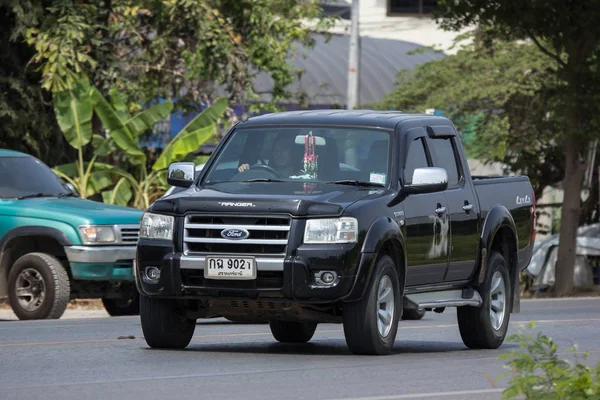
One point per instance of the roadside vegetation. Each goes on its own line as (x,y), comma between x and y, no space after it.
(538,370)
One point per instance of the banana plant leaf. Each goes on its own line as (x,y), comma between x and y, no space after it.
(118,103)
(102,145)
(98,181)
(148,118)
(182,145)
(74,110)
(208,116)
(117,129)
(121,194)
(193,135)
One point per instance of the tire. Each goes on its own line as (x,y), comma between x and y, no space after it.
(122,307)
(163,325)
(361,328)
(414,315)
(43,284)
(292,331)
(478,328)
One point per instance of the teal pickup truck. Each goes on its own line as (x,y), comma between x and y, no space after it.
(55,246)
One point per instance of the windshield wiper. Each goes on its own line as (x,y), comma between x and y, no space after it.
(263,180)
(29,196)
(357,183)
(67,194)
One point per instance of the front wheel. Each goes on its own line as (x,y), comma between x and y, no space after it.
(371,324)
(38,287)
(163,324)
(485,327)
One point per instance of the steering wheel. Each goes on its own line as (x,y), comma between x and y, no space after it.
(267,169)
(257,171)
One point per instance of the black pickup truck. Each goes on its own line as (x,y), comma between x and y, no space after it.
(334,216)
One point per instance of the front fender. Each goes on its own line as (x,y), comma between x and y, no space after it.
(63,233)
(383,230)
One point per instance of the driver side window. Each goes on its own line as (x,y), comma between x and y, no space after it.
(415,158)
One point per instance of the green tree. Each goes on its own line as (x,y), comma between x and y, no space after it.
(176,48)
(569,34)
(501,99)
(27,121)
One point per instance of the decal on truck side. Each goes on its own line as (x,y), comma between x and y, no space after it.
(526,200)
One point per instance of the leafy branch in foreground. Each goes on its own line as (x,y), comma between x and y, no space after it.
(538,373)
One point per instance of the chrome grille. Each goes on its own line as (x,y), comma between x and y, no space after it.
(267,235)
(129,234)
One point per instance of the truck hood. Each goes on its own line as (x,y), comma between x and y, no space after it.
(74,211)
(265,197)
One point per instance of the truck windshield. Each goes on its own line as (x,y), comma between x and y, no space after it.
(27,177)
(321,154)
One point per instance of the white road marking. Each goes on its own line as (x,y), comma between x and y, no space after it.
(429,395)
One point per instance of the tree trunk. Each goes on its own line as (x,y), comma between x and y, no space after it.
(569,221)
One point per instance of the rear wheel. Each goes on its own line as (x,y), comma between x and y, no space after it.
(163,324)
(485,327)
(292,331)
(38,287)
(371,324)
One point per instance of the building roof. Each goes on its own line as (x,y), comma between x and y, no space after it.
(380,119)
(325,69)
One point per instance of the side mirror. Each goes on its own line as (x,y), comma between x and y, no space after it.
(427,180)
(181,174)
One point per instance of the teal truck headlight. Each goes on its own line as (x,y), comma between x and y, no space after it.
(155,226)
(96,234)
(331,231)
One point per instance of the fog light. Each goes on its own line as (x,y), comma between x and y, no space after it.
(326,278)
(152,274)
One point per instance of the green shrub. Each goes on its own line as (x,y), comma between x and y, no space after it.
(539,373)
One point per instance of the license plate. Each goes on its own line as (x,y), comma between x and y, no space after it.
(230,268)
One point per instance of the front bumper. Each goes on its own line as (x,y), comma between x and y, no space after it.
(288,278)
(99,254)
(106,263)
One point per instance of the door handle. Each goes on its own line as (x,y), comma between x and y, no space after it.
(440,210)
(468,207)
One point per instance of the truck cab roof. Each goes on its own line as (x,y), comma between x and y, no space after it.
(363,118)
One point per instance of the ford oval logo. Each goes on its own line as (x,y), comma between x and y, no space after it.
(235,234)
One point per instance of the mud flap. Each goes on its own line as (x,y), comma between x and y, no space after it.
(516,287)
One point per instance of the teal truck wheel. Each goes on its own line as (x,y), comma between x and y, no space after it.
(55,246)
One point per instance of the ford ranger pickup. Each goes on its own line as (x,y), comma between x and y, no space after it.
(335,216)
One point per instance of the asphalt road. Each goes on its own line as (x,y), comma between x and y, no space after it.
(100,358)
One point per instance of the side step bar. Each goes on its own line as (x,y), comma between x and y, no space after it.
(446,298)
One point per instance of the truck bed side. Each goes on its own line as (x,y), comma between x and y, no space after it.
(516,195)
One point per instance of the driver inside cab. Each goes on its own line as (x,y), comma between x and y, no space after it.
(281,156)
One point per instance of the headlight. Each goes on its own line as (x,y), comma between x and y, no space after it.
(93,234)
(338,230)
(155,226)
